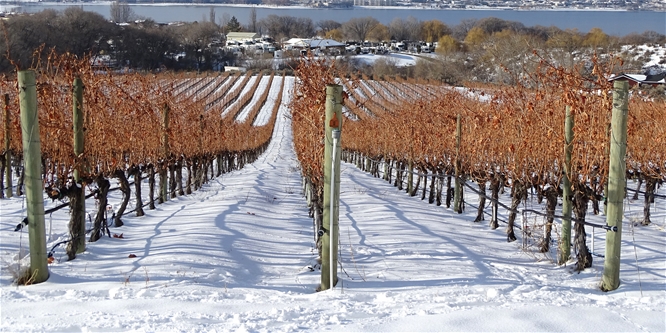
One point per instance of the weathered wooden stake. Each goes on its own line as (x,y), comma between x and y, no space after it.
(457,194)
(565,241)
(410,167)
(8,153)
(329,273)
(165,155)
(610,279)
(77,117)
(34,189)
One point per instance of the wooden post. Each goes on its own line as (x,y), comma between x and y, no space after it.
(610,279)
(565,241)
(34,189)
(77,117)
(8,153)
(410,167)
(331,205)
(607,151)
(457,194)
(163,197)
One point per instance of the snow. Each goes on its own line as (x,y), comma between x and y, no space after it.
(652,56)
(397,59)
(263,85)
(247,89)
(236,256)
(265,113)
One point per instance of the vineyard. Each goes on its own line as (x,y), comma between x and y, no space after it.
(198,221)
(510,136)
(180,131)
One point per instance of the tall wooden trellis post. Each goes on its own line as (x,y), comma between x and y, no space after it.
(616,185)
(331,207)
(34,190)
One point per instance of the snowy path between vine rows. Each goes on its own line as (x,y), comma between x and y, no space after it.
(235,256)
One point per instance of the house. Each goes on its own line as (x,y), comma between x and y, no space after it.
(241,37)
(329,46)
(641,79)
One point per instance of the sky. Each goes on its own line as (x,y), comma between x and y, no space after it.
(238,255)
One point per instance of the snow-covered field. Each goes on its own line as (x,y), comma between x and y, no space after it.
(236,256)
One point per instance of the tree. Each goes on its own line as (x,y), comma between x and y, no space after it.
(252,26)
(23,35)
(234,25)
(447,45)
(409,29)
(287,26)
(327,25)
(121,12)
(564,45)
(224,21)
(596,38)
(358,28)
(146,46)
(195,39)
(433,30)
(491,25)
(461,30)
(379,33)
(211,15)
(335,34)
(475,37)
(82,32)
(654,37)
(509,50)
(398,29)
(414,28)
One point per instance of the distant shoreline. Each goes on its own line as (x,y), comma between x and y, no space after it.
(18,4)
(570,18)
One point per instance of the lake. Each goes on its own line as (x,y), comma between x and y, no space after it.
(617,23)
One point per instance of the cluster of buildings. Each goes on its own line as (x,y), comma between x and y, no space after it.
(655,5)
(252,44)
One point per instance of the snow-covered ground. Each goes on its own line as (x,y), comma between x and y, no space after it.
(396,59)
(236,256)
(653,57)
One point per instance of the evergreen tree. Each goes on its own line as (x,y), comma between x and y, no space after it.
(233,25)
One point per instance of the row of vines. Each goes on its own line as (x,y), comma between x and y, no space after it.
(511,136)
(177,129)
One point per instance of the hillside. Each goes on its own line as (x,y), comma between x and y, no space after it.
(238,255)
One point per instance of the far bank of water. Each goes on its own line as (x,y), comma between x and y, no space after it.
(612,22)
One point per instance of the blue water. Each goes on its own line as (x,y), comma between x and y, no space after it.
(617,23)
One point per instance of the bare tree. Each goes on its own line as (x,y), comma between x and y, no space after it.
(121,12)
(252,27)
(83,32)
(325,26)
(195,39)
(288,26)
(224,20)
(22,35)
(398,29)
(492,24)
(146,46)
(379,33)
(564,45)
(414,27)
(358,28)
(211,15)
(461,30)
(509,50)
